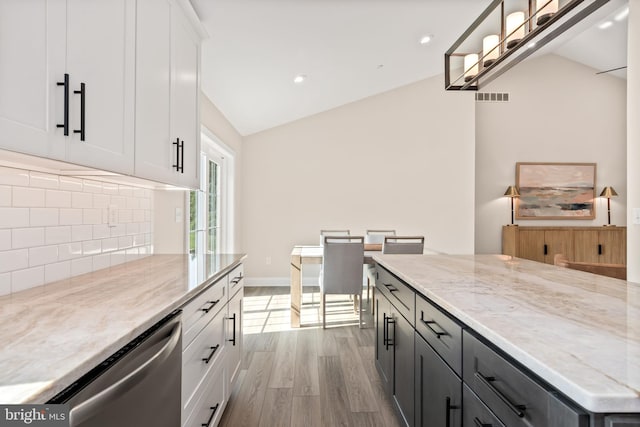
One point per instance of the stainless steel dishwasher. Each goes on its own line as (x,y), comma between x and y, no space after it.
(137,386)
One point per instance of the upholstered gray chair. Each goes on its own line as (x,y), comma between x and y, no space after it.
(403,245)
(341,270)
(324,233)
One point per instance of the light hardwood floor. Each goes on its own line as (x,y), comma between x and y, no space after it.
(306,377)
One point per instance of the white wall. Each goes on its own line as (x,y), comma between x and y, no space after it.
(559,111)
(633,142)
(402,159)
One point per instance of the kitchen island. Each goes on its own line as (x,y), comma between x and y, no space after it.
(576,334)
(53,334)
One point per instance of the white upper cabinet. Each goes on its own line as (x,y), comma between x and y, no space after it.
(88,44)
(167,94)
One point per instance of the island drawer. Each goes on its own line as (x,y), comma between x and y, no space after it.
(400,295)
(510,393)
(236,280)
(201,309)
(441,332)
(475,412)
(210,400)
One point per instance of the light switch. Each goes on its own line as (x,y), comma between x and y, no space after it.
(636,215)
(178,214)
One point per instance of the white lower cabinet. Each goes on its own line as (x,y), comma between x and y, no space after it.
(212,350)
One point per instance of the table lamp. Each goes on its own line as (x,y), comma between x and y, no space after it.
(608,192)
(512,192)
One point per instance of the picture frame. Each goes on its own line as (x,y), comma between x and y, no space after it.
(556,190)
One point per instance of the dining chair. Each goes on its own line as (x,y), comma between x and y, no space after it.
(324,233)
(403,245)
(341,272)
(373,240)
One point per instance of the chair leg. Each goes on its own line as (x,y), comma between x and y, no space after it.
(324,311)
(360,313)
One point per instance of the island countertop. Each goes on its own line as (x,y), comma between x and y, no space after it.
(53,334)
(577,331)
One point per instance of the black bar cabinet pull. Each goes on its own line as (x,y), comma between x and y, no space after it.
(177,144)
(449,407)
(384,328)
(546,251)
(389,342)
(600,249)
(479,423)
(82,93)
(390,287)
(182,156)
(65,122)
(428,323)
(233,340)
(236,280)
(208,359)
(516,409)
(213,304)
(208,423)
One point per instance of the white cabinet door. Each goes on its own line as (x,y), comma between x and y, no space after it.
(234,339)
(167,94)
(32,59)
(100,54)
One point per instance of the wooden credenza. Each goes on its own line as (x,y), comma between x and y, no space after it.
(596,245)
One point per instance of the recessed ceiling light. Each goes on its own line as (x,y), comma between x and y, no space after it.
(426,39)
(605,25)
(300,78)
(623,14)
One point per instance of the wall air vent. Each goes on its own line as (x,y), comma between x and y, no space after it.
(492,97)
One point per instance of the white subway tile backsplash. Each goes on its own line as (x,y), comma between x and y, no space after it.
(58,199)
(81,232)
(81,200)
(91,247)
(14,260)
(5,240)
(10,176)
(43,255)
(5,195)
(43,216)
(70,183)
(24,197)
(69,251)
(57,271)
(55,227)
(81,265)
(27,237)
(70,216)
(55,235)
(43,180)
(27,279)
(5,284)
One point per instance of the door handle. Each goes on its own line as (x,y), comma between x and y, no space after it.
(599,249)
(546,250)
(390,342)
(179,165)
(449,407)
(233,340)
(65,121)
(82,93)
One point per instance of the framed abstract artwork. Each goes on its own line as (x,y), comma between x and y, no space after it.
(556,190)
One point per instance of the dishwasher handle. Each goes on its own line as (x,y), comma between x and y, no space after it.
(92,405)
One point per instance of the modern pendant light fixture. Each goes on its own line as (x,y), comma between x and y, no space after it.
(470,66)
(515,28)
(490,49)
(545,10)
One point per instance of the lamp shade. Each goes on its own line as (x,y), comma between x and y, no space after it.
(608,192)
(515,28)
(470,66)
(490,50)
(545,10)
(512,191)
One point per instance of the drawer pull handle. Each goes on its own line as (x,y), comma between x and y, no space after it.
(208,423)
(428,323)
(600,249)
(449,407)
(390,287)
(208,359)
(236,280)
(213,304)
(479,423)
(487,381)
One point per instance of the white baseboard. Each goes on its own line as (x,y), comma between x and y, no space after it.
(278,281)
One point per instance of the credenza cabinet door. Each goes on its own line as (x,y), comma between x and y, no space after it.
(384,340)
(607,246)
(531,245)
(586,245)
(32,58)
(557,242)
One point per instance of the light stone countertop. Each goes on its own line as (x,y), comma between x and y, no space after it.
(578,331)
(53,334)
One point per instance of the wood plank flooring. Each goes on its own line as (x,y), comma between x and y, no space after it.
(306,377)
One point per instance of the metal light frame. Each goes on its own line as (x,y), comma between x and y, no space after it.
(561,21)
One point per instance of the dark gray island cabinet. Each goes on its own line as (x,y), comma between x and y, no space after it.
(441,372)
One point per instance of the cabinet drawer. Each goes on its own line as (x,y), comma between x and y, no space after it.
(236,280)
(400,295)
(200,310)
(475,412)
(210,401)
(200,356)
(443,333)
(514,397)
